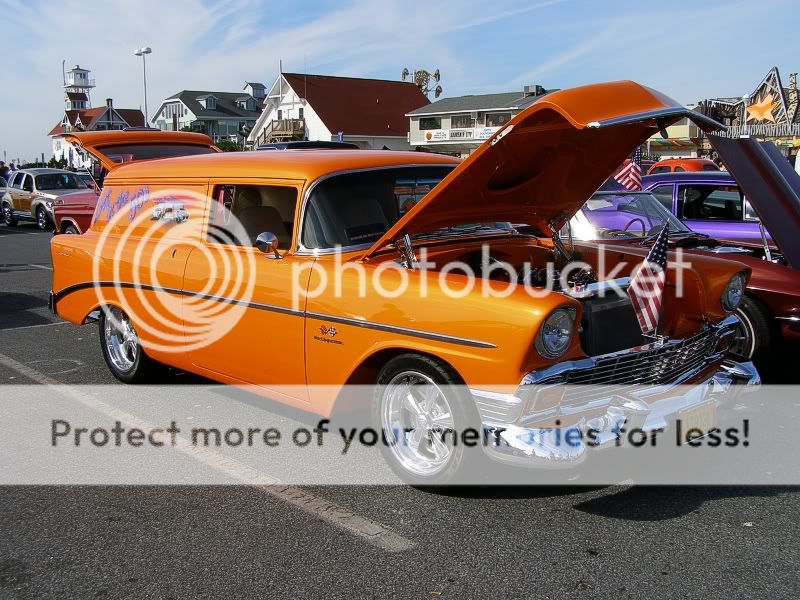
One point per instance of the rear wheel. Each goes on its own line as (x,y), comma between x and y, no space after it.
(42,220)
(122,350)
(753,335)
(70,229)
(421,413)
(8,215)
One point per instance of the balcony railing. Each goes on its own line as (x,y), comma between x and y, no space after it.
(283,130)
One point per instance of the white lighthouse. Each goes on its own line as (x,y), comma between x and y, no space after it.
(77,88)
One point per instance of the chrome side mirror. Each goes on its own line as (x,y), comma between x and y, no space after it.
(267,242)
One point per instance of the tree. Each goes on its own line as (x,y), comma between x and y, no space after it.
(228,146)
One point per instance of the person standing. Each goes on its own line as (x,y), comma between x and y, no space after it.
(5,172)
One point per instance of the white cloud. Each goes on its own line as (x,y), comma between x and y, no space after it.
(202,45)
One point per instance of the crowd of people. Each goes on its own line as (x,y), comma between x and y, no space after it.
(6,171)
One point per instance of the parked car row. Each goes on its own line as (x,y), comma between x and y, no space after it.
(31,195)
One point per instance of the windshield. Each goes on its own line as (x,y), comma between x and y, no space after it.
(355,209)
(624,216)
(59,181)
(122,153)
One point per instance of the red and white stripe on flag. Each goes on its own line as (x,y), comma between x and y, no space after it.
(631,176)
(646,289)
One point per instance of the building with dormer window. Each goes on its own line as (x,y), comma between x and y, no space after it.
(220,115)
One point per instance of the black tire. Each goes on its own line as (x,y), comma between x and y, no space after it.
(143,369)
(70,229)
(462,409)
(42,220)
(754,336)
(8,215)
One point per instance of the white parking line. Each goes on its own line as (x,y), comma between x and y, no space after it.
(370,531)
(45,267)
(32,326)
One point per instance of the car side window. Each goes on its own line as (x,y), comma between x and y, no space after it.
(27,184)
(16,181)
(714,202)
(679,169)
(658,170)
(663,194)
(239,213)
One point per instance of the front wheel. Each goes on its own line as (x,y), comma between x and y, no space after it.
(753,335)
(8,215)
(42,220)
(121,348)
(70,230)
(422,411)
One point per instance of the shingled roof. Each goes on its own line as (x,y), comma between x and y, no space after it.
(355,106)
(88,117)
(504,100)
(226,104)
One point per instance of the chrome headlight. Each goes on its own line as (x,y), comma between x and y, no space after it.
(556,333)
(734,293)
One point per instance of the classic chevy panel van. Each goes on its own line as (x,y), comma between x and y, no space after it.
(341,263)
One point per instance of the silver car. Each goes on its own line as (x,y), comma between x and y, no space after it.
(31,192)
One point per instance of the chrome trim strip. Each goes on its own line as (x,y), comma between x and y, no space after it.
(790,319)
(427,335)
(440,337)
(303,250)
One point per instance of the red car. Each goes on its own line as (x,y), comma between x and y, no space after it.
(74,214)
(771,308)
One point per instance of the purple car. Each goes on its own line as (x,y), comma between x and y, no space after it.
(708,202)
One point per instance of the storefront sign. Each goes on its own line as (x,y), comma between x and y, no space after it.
(433,136)
(484,133)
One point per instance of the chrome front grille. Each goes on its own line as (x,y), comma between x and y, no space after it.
(658,363)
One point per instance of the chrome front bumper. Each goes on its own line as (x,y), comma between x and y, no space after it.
(641,388)
(564,447)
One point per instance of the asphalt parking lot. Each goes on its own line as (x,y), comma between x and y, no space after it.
(245,541)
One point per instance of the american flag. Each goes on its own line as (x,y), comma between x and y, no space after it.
(647,286)
(631,174)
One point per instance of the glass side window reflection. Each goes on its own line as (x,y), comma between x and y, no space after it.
(721,202)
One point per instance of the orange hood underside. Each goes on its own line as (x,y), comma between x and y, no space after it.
(541,167)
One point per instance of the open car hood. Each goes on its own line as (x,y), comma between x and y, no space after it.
(544,163)
(771,186)
(101,144)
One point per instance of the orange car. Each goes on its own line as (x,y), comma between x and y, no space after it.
(676,165)
(353,267)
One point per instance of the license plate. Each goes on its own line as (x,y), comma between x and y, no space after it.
(701,417)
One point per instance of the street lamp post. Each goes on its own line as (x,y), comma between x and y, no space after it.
(142,52)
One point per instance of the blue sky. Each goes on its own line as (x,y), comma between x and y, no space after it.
(689,49)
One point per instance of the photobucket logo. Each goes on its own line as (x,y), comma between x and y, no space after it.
(153,262)
(482,272)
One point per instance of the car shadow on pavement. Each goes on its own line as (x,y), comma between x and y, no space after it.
(660,503)
(18,308)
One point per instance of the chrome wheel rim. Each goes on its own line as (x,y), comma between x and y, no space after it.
(120,339)
(41,220)
(417,422)
(743,343)
(6,214)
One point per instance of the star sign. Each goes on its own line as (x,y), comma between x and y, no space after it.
(762,110)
